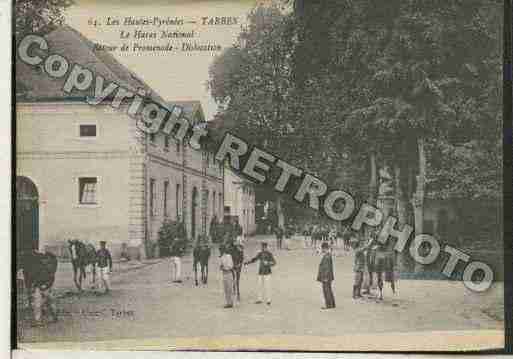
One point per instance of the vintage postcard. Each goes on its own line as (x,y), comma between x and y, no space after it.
(281,175)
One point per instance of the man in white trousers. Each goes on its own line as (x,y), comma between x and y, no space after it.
(104,261)
(267,261)
(177,251)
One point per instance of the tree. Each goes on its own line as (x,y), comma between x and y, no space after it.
(380,85)
(38,16)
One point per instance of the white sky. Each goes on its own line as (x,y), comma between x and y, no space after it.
(175,76)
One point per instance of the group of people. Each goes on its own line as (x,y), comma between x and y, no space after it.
(231,262)
(36,277)
(373,264)
(317,234)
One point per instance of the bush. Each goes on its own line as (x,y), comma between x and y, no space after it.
(167,233)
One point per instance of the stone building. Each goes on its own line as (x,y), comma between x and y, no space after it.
(88,172)
(239,201)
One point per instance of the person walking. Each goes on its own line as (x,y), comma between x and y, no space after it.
(325,276)
(306,234)
(104,260)
(266,260)
(314,235)
(279,237)
(177,251)
(288,233)
(226,267)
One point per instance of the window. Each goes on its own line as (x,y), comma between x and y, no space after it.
(220,205)
(87,130)
(178,147)
(152,197)
(177,201)
(87,190)
(166,142)
(166,190)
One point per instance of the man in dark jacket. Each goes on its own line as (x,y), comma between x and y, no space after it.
(325,276)
(266,260)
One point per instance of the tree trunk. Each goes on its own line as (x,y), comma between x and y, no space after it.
(279,212)
(418,196)
(373,183)
(402,216)
(373,188)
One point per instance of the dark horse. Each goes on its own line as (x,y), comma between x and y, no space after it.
(201,255)
(38,270)
(82,255)
(237,253)
(380,260)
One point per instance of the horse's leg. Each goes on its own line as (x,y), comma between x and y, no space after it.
(75,269)
(195,265)
(81,276)
(206,273)
(380,285)
(238,283)
(94,274)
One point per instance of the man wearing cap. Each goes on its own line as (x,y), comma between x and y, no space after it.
(226,267)
(104,261)
(325,276)
(266,260)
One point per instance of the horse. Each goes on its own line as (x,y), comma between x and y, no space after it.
(82,255)
(379,261)
(201,255)
(38,272)
(237,253)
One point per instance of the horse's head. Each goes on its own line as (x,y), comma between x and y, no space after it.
(73,248)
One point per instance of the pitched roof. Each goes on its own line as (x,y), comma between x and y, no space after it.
(33,85)
(190,108)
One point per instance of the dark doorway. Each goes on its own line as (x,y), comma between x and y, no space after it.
(27,215)
(194,207)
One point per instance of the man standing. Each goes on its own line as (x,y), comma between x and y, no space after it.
(279,237)
(266,260)
(177,251)
(227,268)
(325,276)
(104,265)
(359,264)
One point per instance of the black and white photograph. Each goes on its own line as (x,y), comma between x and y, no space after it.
(258,175)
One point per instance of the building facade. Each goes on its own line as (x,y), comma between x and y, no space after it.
(87,172)
(239,201)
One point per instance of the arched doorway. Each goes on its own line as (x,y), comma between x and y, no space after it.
(194,207)
(27,215)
